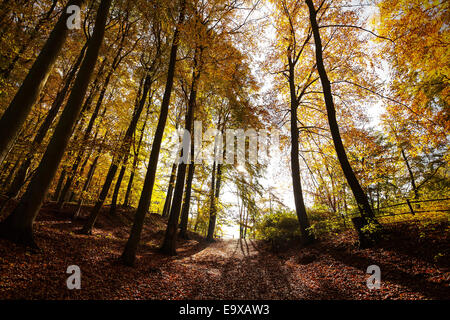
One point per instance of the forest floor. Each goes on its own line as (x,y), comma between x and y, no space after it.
(413,258)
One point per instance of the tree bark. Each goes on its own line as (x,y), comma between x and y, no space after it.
(88,180)
(115,64)
(126,201)
(215,186)
(15,115)
(300,208)
(411,175)
(18,226)
(367,215)
(360,196)
(168,201)
(122,157)
(187,195)
(20,177)
(62,178)
(113,207)
(169,244)
(129,254)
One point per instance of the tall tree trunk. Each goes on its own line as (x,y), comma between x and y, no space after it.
(129,254)
(411,175)
(88,179)
(246,224)
(215,185)
(115,196)
(210,234)
(15,115)
(187,195)
(126,201)
(18,226)
(295,165)
(367,215)
(20,177)
(86,186)
(88,130)
(122,157)
(360,196)
(168,201)
(62,178)
(86,160)
(197,219)
(169,244)
(137,113)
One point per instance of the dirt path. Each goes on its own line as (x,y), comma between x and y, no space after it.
(238,269)
(235,269)
(231,269)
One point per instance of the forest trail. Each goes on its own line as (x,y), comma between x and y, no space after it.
(237,269)
(227,250)
(225,269)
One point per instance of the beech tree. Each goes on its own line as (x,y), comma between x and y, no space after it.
(19,108)
(129,253)
(18,226)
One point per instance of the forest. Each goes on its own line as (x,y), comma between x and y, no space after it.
(224,149)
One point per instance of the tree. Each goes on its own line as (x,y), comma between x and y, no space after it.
(123,155)
(129,253)
(358,192)
(19,108)
(169,244)
(18,226)
(45,126)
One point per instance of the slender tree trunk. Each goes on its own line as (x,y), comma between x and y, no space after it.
(246,224)
(126,201)
(15,115)
(77,182)
(213,204)
(62,178)
(411,175)
(129,253)
(168,201)
(197,219)
(295,165)
(187,195)
(169,244)
(210,233)
(18,226)
(123,156)
(136,157)
(88,129)
(88,180)
(113,207)
(367,215)
(190,176)
(20,177)
(360,196)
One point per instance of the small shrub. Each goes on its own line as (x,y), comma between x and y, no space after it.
(279,227)
(326,223)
